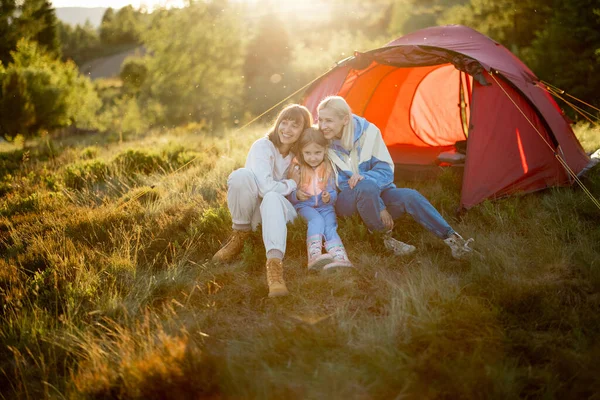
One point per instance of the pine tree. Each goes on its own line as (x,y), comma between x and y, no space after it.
(39,24)
(106,26)
(7,29)
(566,49)
(34,20)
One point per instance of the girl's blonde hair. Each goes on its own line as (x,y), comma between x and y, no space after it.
(341,108)
(293,112)
(308,136)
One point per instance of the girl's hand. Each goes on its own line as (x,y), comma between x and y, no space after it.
(387,220)
(354,180)
(326,197)
(301,195)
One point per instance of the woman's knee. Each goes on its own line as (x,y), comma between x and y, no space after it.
(367,187)
(270,200)
(241,177)
(413,196)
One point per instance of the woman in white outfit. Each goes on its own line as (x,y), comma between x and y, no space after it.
(256,194)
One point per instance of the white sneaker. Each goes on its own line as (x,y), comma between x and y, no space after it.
(459,246)
(397,247)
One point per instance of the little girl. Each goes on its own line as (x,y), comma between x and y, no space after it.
(314,200)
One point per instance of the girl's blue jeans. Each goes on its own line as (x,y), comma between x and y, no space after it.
(321,221)
(364,199)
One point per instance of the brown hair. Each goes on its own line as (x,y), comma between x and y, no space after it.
(293,112)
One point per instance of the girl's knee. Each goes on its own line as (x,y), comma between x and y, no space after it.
(317,223)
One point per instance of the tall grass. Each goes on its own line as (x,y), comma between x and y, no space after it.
(108,291)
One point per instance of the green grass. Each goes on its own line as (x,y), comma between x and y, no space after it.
(107,289)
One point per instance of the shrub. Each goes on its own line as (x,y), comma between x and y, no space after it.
(133,73)
(133,161)
(89,152)
(19,205)
(39,93)
(79,174)
(10,162)
(123,117)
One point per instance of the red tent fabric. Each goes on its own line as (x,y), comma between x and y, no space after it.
(438,86)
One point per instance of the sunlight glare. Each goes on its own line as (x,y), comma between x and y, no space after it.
(314,8)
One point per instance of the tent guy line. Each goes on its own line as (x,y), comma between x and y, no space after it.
(556,154)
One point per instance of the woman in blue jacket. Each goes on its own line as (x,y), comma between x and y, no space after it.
(365,177)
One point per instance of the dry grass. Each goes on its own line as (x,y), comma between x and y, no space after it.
(107,291)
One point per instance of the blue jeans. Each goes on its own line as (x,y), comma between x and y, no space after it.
(321,221)
(364,199)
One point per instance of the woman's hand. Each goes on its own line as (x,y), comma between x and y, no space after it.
(294,173)
(301,195)
(387,220)
(326,197)
(354,180)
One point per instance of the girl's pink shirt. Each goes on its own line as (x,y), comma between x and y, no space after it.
(314,180)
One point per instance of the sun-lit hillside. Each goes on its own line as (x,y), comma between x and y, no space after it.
(108,291)
(113,201)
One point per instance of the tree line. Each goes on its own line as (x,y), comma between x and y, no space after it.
(218,63)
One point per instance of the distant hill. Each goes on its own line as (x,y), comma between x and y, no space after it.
(78,15)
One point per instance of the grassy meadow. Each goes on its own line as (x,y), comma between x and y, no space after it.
(107,289)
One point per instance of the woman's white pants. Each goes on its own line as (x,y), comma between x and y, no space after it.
(246,206)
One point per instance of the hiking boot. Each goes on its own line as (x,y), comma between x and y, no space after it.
(232,247)
(316,258)
(275,278)
(459,246)
(340,257)
(397,247)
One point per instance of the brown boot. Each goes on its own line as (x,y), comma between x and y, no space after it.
(275,278)
(232,247)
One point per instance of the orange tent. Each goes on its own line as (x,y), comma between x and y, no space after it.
(433,88)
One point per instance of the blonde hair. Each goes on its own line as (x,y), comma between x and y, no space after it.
(341,108)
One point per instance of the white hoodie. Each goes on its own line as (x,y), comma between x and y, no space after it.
(269,168)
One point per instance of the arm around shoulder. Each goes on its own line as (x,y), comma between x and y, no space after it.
(261,161)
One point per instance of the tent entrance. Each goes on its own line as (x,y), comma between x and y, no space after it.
(421,111)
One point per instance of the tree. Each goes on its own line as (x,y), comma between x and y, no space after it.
(510,22)
(7,29)
(193,61)
(122,27)
(409,15)
(39,92)
(34,20)
(106,26)
(565,50)
(79,44)
(37,22)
